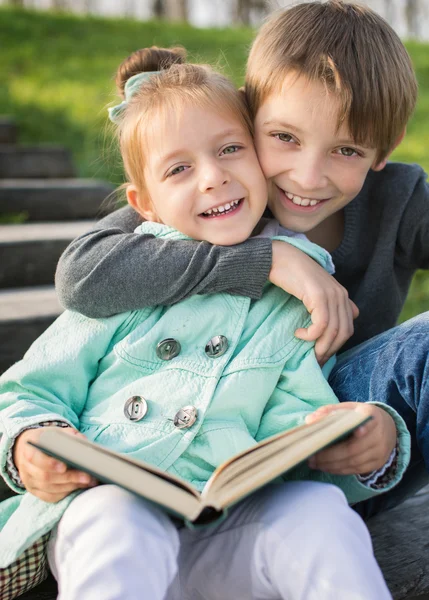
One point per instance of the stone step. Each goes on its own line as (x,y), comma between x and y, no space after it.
(29,253)
(24,315)
(8,130)
(35,161)
(400,545)
(56,199)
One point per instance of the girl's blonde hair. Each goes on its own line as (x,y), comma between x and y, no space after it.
(172,86)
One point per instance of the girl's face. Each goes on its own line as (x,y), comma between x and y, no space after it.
(202,177)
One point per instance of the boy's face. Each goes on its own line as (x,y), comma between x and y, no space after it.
(202,177)
(313,170)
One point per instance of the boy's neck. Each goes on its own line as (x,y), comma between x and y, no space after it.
(329,234)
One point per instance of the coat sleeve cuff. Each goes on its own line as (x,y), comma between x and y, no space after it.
(403,445)
(378,478)
(7,467)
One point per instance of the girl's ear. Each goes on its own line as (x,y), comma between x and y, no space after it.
(141,203)
(379,166)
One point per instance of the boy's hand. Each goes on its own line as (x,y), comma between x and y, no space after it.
(368,448)
(327,301)
(43,476)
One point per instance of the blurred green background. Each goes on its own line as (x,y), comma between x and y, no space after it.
(56,80)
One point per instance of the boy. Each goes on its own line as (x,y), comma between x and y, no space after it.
(331,89)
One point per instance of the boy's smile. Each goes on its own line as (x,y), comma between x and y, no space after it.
(202,176)
(314,168)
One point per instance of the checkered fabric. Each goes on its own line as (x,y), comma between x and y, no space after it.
(30,569)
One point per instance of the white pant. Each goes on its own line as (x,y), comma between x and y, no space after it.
(297,541)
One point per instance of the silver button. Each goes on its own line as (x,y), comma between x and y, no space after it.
(217,346)
(135,408)
(185,417)
(168,349)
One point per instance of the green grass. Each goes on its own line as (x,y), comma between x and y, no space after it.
(56,74)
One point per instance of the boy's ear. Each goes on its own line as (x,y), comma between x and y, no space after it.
(379,166)
(242,92)
(141,203)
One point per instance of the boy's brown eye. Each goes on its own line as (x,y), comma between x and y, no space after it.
(284,137)
(347,151)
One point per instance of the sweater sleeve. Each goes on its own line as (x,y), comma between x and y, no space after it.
(112,270)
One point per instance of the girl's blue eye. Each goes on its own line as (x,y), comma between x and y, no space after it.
(284,137)
(346,151)
(177,170)
(230,149)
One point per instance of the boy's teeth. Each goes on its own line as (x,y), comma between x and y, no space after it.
(301,201)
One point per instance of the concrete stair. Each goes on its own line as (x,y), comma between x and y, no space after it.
(25,313)
(29,253)
(8,131)
(55,199)
(44,161)
(39,183)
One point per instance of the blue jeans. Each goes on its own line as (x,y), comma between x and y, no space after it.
(393,368)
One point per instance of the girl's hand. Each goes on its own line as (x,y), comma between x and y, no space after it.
(368,448)
(332,312)
(43,476)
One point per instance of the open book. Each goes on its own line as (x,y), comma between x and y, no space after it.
(234,479)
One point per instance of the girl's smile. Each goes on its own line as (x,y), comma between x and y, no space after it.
(223,210)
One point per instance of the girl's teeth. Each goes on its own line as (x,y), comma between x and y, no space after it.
(313,202)
(221,209)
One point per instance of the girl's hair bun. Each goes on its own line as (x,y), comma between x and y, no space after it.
(147,59)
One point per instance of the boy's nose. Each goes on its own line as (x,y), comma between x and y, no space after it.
(212,176)
(309,175)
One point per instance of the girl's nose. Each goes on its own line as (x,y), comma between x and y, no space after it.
(212,176)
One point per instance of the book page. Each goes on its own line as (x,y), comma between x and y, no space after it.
(260,464)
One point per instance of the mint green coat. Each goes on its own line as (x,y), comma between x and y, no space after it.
(83,370)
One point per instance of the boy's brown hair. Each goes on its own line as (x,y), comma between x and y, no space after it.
(354,52)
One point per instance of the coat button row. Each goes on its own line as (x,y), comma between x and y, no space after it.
(170,348)
(135,409)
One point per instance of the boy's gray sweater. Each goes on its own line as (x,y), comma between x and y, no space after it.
(386,238)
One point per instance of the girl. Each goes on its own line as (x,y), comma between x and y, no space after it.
(185,387)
